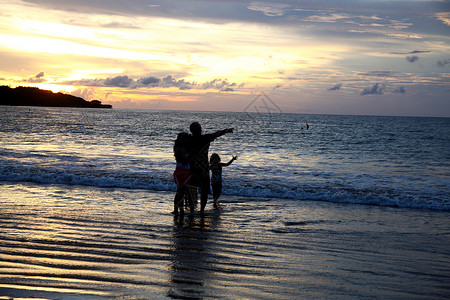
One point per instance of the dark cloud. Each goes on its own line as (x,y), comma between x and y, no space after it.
(412,58)
(215,84)
(227,90)
(400,90)
(337,87)
(149,81)
(387,73)
(376,89)
(412,52)
(38,78)
(168,81)
(443,63)
(218,84)
(119,81)
(418,51)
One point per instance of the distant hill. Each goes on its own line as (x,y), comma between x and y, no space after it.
(32,96)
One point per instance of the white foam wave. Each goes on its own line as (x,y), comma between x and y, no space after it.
(240,186)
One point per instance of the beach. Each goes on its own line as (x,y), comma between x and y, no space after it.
(353,207)
(78,242)
(323,128)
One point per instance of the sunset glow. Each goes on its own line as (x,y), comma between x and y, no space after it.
(309,57)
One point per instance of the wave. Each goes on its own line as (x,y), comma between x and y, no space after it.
(245,185)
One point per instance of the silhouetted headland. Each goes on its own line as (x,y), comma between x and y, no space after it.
(32,96)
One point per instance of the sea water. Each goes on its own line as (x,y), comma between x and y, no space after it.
(384,161)
(85,197)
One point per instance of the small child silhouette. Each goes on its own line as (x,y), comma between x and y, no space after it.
(216,175)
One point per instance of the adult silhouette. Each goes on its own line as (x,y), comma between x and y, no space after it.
(198,148)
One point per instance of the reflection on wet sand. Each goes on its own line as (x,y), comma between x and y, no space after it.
(61,242)
(192,260)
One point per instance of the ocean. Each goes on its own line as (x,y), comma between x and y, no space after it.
(386,161)
(315,207)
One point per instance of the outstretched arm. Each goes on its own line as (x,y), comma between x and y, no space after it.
(229,163)
(222,132)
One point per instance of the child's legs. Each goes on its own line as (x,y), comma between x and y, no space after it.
(190,197)
(179,198)
(217,190)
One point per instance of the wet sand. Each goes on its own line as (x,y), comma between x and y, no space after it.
(74,242)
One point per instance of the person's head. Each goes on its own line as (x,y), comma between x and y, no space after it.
(180,154)
(196,128)
(181,141)
(215,159)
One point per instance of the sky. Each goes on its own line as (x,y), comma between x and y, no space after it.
(363,57)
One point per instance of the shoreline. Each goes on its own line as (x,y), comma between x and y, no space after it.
(86,241)
(230,196)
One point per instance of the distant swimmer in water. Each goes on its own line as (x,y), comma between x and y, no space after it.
(216,175)
(307,126)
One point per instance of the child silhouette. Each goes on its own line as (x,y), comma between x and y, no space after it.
(216,175)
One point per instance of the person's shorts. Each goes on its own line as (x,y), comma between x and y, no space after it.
(182,176)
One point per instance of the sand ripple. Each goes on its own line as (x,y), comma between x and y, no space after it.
(59,242)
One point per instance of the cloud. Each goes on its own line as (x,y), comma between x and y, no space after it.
(119,81)
(328,18)
(387,73)
(168,81)
(360,13)
(337,87)
(269,9)
(87,94)
(217,84)
(444,17)
(443,63)
(418,51)
(412,58)
(400,90)
(119,25)
(38,78)
(149,80)
(316,44)
(376,89)
(411,52)
(227,90)
(357,23)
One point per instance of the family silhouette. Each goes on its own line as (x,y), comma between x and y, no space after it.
(192,168)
